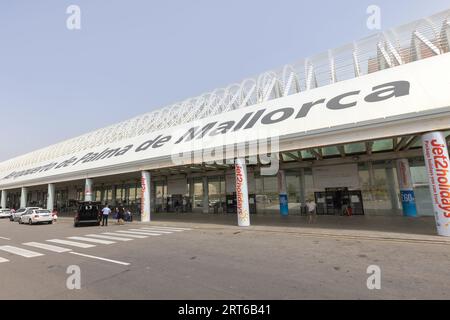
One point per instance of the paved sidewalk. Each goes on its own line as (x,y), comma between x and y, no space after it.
(381,228)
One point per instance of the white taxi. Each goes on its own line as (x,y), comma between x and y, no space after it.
(36,216)
(5,213)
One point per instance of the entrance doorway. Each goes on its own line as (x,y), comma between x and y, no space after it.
(334,201)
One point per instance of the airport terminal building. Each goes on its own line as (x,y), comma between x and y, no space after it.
(365,126)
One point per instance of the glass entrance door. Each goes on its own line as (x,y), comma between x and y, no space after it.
(334,201)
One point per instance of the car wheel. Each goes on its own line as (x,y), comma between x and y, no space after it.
(30,222)
(50,222)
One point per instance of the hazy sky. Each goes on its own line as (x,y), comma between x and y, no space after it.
(133,56)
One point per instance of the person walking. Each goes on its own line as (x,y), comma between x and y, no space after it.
(127,215)
(311,207)
(105,213)
(120,215)
(55,215)
(348,211)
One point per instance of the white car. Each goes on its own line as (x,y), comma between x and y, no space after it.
(5,213)
(36,216)
(15,216)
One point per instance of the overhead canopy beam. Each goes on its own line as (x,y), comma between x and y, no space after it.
(293,156)
(316,154)
(341,150)
(411,142)
(402,142)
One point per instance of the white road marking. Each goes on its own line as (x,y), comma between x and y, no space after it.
(100,258)
(91,240)
(156,231)
(21,252)
(125,235)
(140,233)
(72,243)
(170,228)
(108,237)
(5,238)
(161,230)
(3,260)
(48,247)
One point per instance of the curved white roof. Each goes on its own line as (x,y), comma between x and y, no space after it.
(414,41)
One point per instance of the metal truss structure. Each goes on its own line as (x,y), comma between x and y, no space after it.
(417,40)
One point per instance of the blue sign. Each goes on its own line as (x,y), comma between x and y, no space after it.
(284,208)
(408,203)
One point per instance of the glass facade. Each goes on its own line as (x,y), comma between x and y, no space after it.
(197,195)
(216,194)
(267,196)
(422,193)
(378,188)
(160,196)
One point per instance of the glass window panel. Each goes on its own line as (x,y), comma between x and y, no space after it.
(287,157)
(198,193)
(309,184)
(306,154)
(355,147)
(330,151)
(109,194)
(216,193)
(293,191)
(382,145)
(132,193)
(417,144)
(119,193)
(376,190)
(138,192)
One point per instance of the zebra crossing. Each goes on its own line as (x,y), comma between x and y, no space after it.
(70,243)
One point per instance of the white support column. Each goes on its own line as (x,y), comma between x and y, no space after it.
(88,190)
(145,196)
(51,197)
(406,188)
(391,185)
(4,197)
(205,195)
(437,162)
(282,191)
(23,197)
(243,208)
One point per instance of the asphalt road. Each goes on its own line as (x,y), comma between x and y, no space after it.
(213,262)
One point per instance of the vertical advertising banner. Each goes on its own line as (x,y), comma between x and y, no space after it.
(243,208)
(282,189)
(88,192)
(406,188)
(438,165)
(145,197)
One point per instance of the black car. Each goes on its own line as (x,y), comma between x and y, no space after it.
(88,213)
